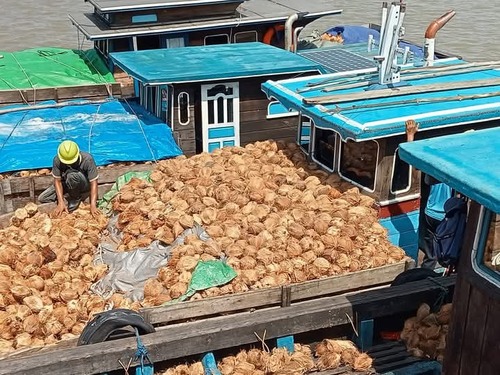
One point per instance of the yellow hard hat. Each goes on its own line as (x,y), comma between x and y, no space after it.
(68,152)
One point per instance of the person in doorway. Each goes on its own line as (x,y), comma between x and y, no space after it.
(434,211)
(75,177)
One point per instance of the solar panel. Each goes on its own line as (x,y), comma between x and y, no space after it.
(338,60)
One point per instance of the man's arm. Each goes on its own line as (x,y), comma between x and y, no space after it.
(411,130)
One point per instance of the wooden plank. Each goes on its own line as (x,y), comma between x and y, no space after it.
(351,281)
(59,93)
(197,337)
(19,185)
(475,326)
(385,93)
(273,296)
(5,218)
(490,360)
(253,104)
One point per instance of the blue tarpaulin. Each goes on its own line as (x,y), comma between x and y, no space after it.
(112,131)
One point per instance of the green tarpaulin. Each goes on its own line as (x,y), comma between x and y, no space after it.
(207,274)
(104,203)
(51,67)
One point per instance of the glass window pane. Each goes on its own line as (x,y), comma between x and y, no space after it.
(358,162)
(401,175)
(230,114)
(220,110)
(491,258)
(324,147)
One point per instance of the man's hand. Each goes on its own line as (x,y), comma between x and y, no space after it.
(61,207)
(94,211)
(411,129)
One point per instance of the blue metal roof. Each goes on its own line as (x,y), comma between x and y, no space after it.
(112,131)
(468,162)
(208,63)
(363,118)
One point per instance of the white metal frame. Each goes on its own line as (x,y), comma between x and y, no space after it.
(179,108)
(245,32)
(215,35)
(394,170)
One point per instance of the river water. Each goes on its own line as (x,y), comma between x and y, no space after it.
(472,33)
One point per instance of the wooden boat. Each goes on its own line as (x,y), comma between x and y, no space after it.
(132,25)
(468,163)
(352,122)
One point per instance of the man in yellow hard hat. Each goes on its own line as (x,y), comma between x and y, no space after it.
(75,176)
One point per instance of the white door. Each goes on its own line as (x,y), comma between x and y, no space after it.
(220,119)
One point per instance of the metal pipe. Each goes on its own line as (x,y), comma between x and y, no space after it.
(289,29)
(430,35)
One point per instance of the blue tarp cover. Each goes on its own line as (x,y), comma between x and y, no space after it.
(468,162)
(380,117)
(213,62)
(112,131)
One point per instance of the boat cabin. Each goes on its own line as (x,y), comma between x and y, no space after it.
(352,124)
(133,25)
(210,95)
(468,163)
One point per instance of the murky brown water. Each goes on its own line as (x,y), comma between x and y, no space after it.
(473,33)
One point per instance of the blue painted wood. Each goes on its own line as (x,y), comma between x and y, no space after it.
(227,143)
(145,370)
(365,338)
(213,146)
(210,365)
(222,132)
(286,342)
(386,119)
(403,232)
(468,162)
(141,18)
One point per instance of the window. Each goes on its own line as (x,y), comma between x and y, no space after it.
(163,102)
(401,175)
(245,36)
(325,144)
(489,245)
(183,108)
(216,39)
(277,110)
(144,18)
(304,133)
(358,163)
(102,45)
(148,42)
(120,45)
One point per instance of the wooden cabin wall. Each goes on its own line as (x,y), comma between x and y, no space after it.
(472,343)
(185,135)
(253,111)
(174,15)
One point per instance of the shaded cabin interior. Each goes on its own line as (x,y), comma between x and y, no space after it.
(468,162)
(210,95)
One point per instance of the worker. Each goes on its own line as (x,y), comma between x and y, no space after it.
(434,211)
(75,177)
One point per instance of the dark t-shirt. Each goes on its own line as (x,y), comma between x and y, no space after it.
(85,164)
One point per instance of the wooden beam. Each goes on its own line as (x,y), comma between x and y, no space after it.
(232,331)
(398,91)
(274,296)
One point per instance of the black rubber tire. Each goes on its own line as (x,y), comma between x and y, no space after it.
(413,274)
(102,326)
